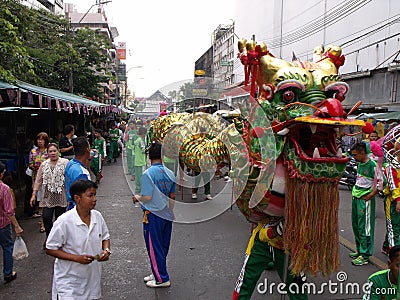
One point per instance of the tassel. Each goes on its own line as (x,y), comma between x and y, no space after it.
(311,234)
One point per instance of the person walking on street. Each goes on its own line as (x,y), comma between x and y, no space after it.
(77,168)
(66,147)
(7,217)
(99,144)
(392,204)
(38,155)
(114,137)
(363,205)
(79,241)
(157,197)
(51,180)
(130,137)
(139,158)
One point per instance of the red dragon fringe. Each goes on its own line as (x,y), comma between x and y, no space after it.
(311,232)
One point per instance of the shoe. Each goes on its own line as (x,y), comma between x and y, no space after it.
(228,180)
(385,250)
(353,255)
(148,278)
(359,261)
(209,197)
(36,215)
(194,196)
(42,229)
(154,284)
(13,276)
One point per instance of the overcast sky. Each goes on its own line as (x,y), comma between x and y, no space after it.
(165,37)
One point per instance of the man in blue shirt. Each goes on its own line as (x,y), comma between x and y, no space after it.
(77,167)
(158,198)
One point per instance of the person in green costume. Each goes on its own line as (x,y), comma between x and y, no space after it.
(363,205)
(130,137)
(99,145)
(383,284)
(114,136)
(139,157)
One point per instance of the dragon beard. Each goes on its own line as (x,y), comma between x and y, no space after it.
(311,231)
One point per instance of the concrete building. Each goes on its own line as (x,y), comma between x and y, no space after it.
(54,6)
(98,21)
(367,30)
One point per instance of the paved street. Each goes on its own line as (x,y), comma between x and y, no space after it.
(204,258)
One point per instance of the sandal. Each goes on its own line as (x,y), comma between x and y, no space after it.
(11,277)
(42,229)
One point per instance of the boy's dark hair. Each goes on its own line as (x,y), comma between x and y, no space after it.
(68,129)
(80,186)
(394,252)
(155,150)
(99,131)
(142,130)
(359,147)
(2,167)
(80,145)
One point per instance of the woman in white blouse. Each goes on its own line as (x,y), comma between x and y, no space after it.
(51,179)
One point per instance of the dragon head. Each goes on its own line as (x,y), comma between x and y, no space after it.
(303,104)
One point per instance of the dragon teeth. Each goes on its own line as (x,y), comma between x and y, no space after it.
(339,153)
(316,153)
(313,128)
(284,131)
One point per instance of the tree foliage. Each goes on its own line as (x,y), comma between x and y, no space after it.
(43,49)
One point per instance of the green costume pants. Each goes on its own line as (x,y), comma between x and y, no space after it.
(392,237)
(206,180)
(129,160)
(260,259)
(138,178)
(94,166)
(363,221)
(113,149)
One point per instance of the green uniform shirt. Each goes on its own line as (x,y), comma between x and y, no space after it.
(131,139)
(139,152)
(365,178)
(99,146)
(379,286)
(115,132)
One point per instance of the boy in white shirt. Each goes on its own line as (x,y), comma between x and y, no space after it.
(79,240)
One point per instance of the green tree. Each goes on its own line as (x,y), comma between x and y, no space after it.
(54,53)
(14,57)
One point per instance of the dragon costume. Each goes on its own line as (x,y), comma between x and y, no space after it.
(285,161)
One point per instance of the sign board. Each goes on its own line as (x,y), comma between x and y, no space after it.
(199,92)
(121,50)
(121,72)
(224,63)
(199,72)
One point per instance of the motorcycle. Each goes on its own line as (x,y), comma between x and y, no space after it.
(349,176)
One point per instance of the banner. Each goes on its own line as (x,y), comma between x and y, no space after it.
(69,107)
(121,50)
(40,101)
(29,99)
(58,106)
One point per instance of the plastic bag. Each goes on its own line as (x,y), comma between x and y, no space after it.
(20,251)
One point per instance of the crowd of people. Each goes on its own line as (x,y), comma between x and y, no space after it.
(64,174)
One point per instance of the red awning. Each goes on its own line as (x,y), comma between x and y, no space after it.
(235,90)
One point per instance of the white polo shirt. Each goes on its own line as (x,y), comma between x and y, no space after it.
(74,280)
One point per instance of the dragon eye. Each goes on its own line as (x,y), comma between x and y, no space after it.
(288,96)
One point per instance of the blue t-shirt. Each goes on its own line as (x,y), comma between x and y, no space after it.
(74,171)
(157,182)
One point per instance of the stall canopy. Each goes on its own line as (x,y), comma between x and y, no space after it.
(50,98)
(383,117)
